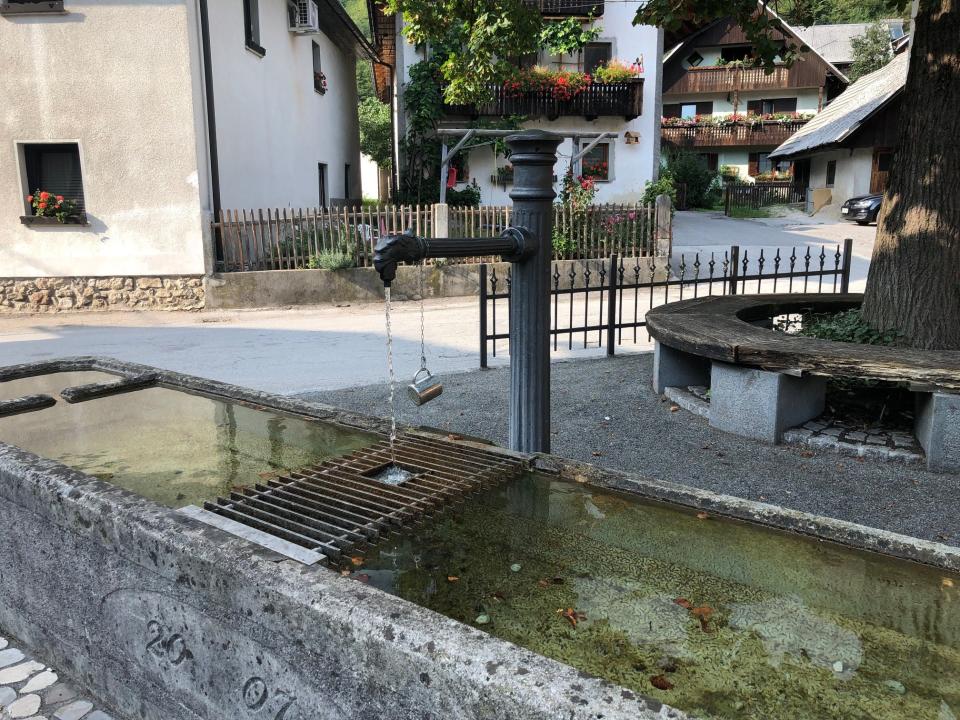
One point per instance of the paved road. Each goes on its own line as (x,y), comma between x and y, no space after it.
(296,350)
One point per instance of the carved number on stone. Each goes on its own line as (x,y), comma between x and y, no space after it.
(256,694)
(171,646)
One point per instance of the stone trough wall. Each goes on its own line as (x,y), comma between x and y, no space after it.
(59,294)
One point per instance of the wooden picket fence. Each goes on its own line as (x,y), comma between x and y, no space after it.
(592,232)
(295,239)
(762,194)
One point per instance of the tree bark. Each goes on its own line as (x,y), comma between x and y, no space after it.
(914,280)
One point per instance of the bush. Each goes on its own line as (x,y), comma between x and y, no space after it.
(688,168)
(848,326)
(663,186)
(468,197)
(562,243)
(331,260)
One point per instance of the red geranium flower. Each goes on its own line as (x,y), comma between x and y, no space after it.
(29,198)
(44,195)
(43,205)
(59,198)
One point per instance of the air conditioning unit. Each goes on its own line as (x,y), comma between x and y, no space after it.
(304,17)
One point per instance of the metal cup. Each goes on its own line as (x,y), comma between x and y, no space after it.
(424,388)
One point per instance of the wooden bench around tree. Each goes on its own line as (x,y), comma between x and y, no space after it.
(764,381)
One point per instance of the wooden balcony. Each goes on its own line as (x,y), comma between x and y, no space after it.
(741,134)
(722,79)
(568,8)
(596,100)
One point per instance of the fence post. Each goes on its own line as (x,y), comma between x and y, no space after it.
(612,306)
(441,220)
(483,316)
(726,200)
(734,271)
(847,255)
(664,220)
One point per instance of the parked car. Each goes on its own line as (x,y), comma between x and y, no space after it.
(863,210)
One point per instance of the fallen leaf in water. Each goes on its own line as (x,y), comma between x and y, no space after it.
(452,578)
(453,436)
(660,682)
(543,583)
(702,611)
(356,560)
(947,583)
(362,577)
(683,602)
(571,615)
(482,619)
(807,454)
(497,595)
(516,567)
(702,516)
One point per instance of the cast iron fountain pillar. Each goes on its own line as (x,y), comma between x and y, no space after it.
(533,156)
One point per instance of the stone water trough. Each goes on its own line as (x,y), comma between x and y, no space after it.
(168,616)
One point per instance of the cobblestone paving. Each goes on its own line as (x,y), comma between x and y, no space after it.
(29,690)
(875,442)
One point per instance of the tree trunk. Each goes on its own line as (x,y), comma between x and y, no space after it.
(914,280)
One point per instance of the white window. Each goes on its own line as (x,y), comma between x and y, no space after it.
(688,110)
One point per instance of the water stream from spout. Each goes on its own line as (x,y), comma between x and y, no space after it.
(393,380)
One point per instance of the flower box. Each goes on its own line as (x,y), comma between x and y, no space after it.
(33,220)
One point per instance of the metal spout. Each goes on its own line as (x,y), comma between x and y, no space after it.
(514,244)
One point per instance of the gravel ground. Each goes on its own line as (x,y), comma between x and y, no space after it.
(605,412)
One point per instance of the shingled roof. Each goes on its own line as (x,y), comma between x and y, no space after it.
(835,42)
(849,110)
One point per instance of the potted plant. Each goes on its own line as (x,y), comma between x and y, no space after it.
(52,209)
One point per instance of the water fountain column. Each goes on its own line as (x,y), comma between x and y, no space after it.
(533,155)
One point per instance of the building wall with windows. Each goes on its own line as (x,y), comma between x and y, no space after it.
(630,166)
(851,174)
(275,125)
(123,92)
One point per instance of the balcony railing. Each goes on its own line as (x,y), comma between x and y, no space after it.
(769,133)
(595,100)
(724,78)
(568,8)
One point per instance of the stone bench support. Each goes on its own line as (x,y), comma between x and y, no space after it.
(938,430)
(675,368)
(760,404)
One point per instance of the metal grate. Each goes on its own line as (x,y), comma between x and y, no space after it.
(325,511)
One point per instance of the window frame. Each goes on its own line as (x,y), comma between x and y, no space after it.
(346,181)
(830,175)
(23,150)
(606,156)
(323,190)
(598,44)
(251,27)
(318,76)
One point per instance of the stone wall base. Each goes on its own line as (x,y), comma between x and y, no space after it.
(60,294)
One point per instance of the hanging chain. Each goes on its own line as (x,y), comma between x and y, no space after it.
(423,342)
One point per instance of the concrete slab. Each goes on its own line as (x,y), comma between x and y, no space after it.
(759,404)
(938,430)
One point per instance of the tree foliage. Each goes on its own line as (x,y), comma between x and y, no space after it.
(376,132)
(871,51)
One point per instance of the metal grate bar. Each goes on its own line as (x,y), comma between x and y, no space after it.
(338,507)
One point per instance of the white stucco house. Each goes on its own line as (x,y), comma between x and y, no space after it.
(628,109)
(851,145)
(151,117)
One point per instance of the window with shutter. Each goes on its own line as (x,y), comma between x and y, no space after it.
(671,110)
(754,107)
(595,55)
(785,105)
(705,107)
(754,166)
(596,163)
(55,168)
(251,26)
(23,7)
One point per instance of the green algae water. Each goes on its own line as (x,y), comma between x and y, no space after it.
(718,618)
(173,447)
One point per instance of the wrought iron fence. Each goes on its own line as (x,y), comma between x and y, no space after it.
(603,303)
